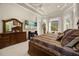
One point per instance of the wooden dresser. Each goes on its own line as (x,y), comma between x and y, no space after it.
(7,39)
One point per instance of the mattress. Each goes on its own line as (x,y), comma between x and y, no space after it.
(50,43)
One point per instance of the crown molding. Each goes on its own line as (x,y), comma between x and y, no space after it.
(28,6)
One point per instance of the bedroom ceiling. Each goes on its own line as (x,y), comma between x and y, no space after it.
(47,9)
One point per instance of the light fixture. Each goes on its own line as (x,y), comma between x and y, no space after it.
(58,6)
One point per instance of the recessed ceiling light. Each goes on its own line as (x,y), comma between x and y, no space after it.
(58,6)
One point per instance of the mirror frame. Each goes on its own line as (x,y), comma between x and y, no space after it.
(9,20)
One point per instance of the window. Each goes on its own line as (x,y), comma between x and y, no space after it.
(53,25)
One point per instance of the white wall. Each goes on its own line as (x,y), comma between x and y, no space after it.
(68,16)
(72,11)
(15,11)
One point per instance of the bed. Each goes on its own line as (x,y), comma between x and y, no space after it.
(47,45)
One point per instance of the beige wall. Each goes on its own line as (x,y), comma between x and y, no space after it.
(15,11)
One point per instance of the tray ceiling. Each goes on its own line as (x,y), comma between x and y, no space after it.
(47,8)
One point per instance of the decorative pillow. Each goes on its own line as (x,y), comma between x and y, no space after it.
(60,36)
(67,31)
(73,42)
(69,36)
(77,46)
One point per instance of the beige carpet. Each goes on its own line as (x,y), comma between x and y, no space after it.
(19,49)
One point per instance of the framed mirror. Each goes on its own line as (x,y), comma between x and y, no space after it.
(12,25)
